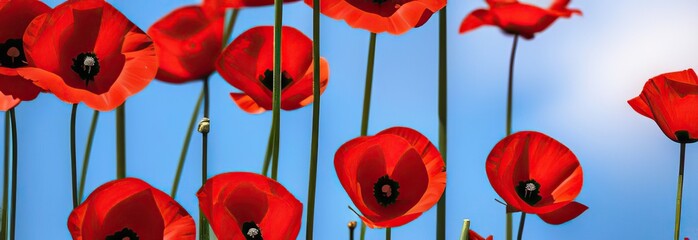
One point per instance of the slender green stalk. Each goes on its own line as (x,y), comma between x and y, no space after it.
(316,121)
(388,233)
(73,156)
(276,105)
(121,141)
(13,214)
(679,193)
(510,94)
(5,177)
(362,233)
(185,145)
(369,85)
(204,129)
(521,225)
(443,117)
(229,27)
(267,155)
(86,158)
(465,231)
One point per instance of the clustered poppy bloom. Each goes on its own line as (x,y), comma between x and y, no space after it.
(15,16)
(100,57)
(247,64)
(221,5)
(670,99)
(377,16)
(515,17)
(129,208)
(536,174)
(241,205)
(392,177)
(188,40)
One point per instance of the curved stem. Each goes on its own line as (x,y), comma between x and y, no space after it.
(86,158)
(510,94)
(521,225)
(73,155)
(369,84)
(185,145)
(13,207)
(121,141)
(276,105)
(443,100)
(229,28)
(677,221)
(5,178)
(316,122)
(267,155)
(203,223)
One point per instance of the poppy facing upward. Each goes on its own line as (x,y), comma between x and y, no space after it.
(130,208)
(377,16)
(247,64)
(241,205)
(101,58)
(189,40)
(670,100)
(515,17)
(15,16)
(392,177)
(536,174)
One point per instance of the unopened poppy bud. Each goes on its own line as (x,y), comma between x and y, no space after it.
(351,225)
(204,125)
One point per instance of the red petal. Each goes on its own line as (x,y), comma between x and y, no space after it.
(564,214)
(16,15)
(300,92)
(641,107)
(15,86)
(474,236)
(476,19)
(246,103)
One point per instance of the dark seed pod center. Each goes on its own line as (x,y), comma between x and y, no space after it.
(268,79)
(12,54)
(87,66)
(379,2)
(252,231)
(386,190)
(125,234)
(529,191)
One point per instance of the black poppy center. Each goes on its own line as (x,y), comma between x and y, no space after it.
(251,231)
(683,137)
(12,54)
(125,234)
(86,65)
(379,1)
(268,79)
(386,190)
(529,191)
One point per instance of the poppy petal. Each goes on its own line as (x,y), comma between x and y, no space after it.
(564,214)
(300,93)
(246,103)
(475,20)
(475,236)
(640,106)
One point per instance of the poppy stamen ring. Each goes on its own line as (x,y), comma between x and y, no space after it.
(86,65)
(13,53)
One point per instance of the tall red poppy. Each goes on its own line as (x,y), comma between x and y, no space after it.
(129,208)
(377,16)
(515,17)
(670,99)
(188,42)
(536,174)
(241,205)
(392,177)
(221,5)
(15,16)
(247,65)
(100,56)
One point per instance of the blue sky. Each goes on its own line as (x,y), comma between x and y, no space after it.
(571,82)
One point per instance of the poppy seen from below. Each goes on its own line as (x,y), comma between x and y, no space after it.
(392,177)
(188,42)
(241,205)
(536,174)
(377,16)
(670,99)
(515,17)
(15,16)
(130,208)
(100,56)
(247,65)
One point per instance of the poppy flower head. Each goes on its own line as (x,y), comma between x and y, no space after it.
(129,208)
(514,17)
(247,64)
(15,16)
(98,55)
(377,16)
(188,42)
(534,173)
(670,99)
(244,206)
(392,177)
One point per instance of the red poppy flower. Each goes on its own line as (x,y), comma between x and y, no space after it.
(536,174)
(392,177)
(472,235)
(221,5)
(14,18)
(100,56)
(129,208)
(670,100)
(517,18)
(188,42)
(243,205)
(247,64)
(377,16)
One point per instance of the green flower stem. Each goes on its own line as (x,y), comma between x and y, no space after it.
(13,215)
(387,234)
(443,100)
(362,233)
(73,156)
(679,193)
(5,178)
(86,158)
(276,105)
(203,223)
(510,94)
(229,28)
(316,122)
(521,225)
(465,231)
(367,100)
(267,155)
(121,141)
(185,145)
